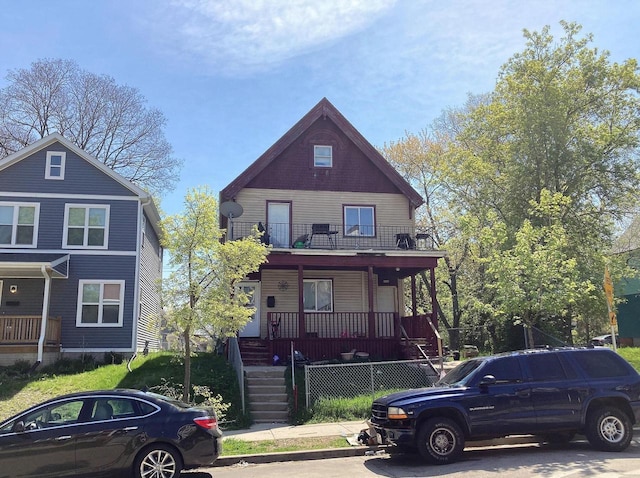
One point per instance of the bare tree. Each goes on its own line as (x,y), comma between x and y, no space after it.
(109,121)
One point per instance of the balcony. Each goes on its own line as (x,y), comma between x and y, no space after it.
(25,330)
(333,236)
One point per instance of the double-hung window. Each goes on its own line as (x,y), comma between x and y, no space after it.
(322,156)
(55,165)
(359,221)
(318,295)
(86,226)
(100,303)
(19,224)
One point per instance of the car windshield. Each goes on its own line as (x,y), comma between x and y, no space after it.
(459,375)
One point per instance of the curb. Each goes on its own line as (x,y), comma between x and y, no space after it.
(299,455)
(326,453)
(360,451)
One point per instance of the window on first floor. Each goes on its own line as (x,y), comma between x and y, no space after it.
(100,303)
(86,226)
(359,221)
(19,224)
(318,295)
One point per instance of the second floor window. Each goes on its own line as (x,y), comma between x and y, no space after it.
(322,156)
(359,221)
(318,295)
(86,226)
(18,224)
(55,165)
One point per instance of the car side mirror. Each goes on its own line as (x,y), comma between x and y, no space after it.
(18,427)
(487,380)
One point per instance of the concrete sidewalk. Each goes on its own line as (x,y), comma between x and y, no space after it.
(274,431)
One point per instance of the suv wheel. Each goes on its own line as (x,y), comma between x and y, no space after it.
(440,441)
(608,429)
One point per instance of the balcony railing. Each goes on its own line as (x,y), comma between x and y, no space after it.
(334,236)
(25,330)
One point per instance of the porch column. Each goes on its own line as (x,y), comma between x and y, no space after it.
(414,300)
(372,318)
(434,300)
(302,333)
(45,313)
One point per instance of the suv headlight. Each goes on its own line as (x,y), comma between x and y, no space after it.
(396,413)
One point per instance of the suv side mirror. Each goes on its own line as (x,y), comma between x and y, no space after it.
(487,380)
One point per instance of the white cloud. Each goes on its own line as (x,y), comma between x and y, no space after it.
(245,35)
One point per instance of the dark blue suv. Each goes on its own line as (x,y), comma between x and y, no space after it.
(551,393)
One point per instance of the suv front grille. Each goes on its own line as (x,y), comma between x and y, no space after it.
(378,412)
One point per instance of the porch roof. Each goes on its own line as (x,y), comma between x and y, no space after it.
(31,266)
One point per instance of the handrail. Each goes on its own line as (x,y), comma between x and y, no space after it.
(235,359)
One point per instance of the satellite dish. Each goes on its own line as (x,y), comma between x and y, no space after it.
(231,209)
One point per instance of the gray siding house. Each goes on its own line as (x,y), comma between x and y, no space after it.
(80,256)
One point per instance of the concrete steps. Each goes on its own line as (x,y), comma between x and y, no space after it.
(267,394)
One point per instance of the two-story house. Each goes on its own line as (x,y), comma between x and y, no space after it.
(345,251)
(80,257)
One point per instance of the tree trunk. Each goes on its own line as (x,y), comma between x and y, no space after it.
(186,385)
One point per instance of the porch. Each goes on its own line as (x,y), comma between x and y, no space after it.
(325,336)
(20,336)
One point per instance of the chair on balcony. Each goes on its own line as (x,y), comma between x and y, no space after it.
(405,241)
(324,230)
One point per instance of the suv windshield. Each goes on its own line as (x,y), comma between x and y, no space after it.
(459,375)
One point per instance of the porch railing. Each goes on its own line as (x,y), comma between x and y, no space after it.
(331,325)
(25,330)
(334,236)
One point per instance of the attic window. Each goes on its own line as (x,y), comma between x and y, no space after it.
(55,165)
(322,156)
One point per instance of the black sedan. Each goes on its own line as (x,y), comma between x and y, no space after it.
(106,433)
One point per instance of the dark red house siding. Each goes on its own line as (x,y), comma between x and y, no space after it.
(352,171)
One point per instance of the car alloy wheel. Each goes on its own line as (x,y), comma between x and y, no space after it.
(158,461)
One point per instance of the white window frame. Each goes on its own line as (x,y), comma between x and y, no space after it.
(85,245)
(14,226)
(322,160)
(316,281)
(361,226)
(101,303)
(50,167)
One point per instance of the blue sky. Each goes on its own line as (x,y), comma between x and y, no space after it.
(232,76)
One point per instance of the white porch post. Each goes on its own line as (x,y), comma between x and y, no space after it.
(45,313)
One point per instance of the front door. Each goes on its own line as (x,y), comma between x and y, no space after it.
(387,297)
(252,329)
(279,223)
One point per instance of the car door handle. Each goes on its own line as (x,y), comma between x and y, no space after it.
(63,437)
(525,393)
(129,429)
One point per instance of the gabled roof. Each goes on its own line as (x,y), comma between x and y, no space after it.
(324,109)
(145,197)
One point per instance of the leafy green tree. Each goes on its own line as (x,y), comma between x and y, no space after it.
(202,290)
(562,120)
(537,276)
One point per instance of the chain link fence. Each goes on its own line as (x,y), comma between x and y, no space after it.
(350,380)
